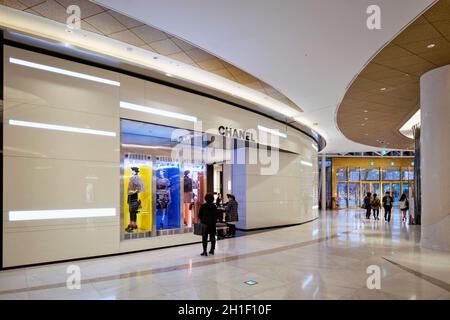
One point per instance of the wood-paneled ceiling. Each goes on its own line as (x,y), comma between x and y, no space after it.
(386,93)
(98,19)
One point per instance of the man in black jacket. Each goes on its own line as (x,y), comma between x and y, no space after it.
(387,205)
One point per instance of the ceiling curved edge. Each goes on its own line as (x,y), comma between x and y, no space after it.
(310,50)
(390,84)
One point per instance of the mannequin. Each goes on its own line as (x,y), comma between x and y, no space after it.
(187,198)
(162,195)
(135,186)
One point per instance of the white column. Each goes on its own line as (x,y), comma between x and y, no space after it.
(435,155)
(324,181)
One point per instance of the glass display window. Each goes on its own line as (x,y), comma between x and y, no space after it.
(194,190)
(341,174)
(407,174)
(137,204)
(353,174)
(391,174)
(167,194)
(370,174)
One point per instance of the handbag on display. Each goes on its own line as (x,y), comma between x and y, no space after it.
(199,229)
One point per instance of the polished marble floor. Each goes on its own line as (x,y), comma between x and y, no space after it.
(324,259)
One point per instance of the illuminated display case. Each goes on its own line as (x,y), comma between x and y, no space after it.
(137,193)
(167,194)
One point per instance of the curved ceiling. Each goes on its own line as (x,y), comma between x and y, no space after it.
(386,93)
(109,23)
(310,50)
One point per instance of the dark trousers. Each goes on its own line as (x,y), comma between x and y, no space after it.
(367,212)
(231,229)
(387,213)
(211,231)
(376,213)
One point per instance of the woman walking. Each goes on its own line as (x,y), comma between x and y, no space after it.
(208,217)
(376,205)
(404,206)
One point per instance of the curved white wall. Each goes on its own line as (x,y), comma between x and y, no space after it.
(53,170)
(435,155)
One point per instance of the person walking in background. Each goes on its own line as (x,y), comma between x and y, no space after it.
(387,205)
(231,211)
(404,206)
(376,205)
(367,204)
(208,217)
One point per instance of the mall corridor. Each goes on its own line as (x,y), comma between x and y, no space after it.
(323,259)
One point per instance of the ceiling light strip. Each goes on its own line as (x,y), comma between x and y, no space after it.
(62,71)
(47,126)
(159,112)
(60,214)
(272,131)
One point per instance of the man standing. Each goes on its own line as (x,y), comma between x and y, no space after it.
(387,205)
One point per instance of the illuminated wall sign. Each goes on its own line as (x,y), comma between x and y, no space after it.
(236,133)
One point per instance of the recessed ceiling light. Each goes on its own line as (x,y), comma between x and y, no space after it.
(363,124)
(366,119)
(431,45)
(169,74)
(365,111)
(382,89)
(366,134)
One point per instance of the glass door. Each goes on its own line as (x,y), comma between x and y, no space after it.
(395,187)
(376,189)
(365,188)
(341,200)
(353,195)
(405,188)
(386,188)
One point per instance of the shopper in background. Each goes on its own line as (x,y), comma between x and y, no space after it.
(404,206)
(231,211)
(387,205)
(376,205)
(208,217)
(219,199)
(367,205)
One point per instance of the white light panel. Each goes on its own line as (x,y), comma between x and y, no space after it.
(60,214)
(159,112)
(47,126)
(63,71)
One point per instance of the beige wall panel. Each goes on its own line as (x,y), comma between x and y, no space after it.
(22,248)
(39,87)
(48,184)
(36,142)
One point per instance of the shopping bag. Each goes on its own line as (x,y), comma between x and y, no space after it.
(199,228)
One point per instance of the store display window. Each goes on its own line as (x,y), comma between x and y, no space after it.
(353,174)
(194,190)
(407,174)
(391,174)
(370,174)
(167,194)
(341,174)
(161,195)
(137,204)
